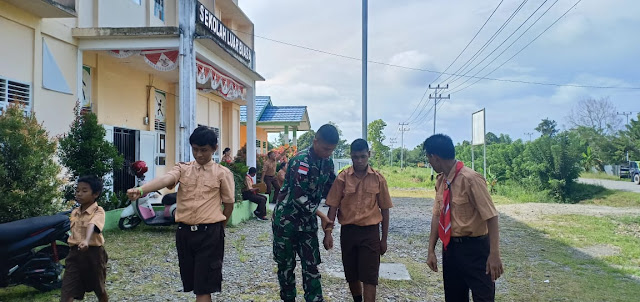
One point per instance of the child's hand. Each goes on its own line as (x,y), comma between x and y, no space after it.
(133,193)
(383,247)
(328,241)
(83,246)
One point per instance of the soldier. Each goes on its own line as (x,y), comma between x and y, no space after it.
(295,227)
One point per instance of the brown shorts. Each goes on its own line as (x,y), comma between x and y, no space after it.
(360,252)
(200,254)
(84,272)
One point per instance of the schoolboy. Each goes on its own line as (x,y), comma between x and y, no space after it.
(360,198)
(466,221)
(251,194)
(86,264)
(204,187)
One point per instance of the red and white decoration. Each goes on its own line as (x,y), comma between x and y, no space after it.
(163,60)
(167,60)
(123,53)
(224,85)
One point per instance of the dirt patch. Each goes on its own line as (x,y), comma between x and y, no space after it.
(535,211)
(599,251)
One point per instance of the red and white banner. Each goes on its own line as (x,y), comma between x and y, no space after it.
(224,85)
(167,60)
(163,60)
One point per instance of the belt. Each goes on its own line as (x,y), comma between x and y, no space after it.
(195,227)
(468,239)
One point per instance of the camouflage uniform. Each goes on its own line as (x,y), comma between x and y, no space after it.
(295,223)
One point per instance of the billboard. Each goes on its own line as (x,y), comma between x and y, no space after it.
(477,128)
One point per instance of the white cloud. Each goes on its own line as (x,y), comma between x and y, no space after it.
(594,44)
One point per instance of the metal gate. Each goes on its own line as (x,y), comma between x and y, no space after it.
(125,141)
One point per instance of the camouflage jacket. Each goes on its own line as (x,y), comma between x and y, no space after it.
(307,181)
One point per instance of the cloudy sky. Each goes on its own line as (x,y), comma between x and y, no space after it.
(595,44)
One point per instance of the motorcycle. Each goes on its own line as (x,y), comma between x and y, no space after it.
(141,210)
(31,250)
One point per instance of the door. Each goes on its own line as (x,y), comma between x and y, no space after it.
(125,141)
(147,149)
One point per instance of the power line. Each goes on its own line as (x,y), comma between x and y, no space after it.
(454,60)
(523,48)
(440,72)
(507,39)
(486,44)
(514,41)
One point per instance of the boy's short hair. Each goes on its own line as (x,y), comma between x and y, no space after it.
(359,145)
(328,134)
(252,170)
(203,136)
(440,145)
(282,165)
(94,183)
(269,153)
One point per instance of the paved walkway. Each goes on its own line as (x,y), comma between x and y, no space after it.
(612,184)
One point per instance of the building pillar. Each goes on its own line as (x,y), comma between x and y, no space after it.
(187,78)
(295,136)
(286,135)
(80,71)
(251,127)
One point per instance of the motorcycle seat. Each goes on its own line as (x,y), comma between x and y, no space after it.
(21,229)
(169,199)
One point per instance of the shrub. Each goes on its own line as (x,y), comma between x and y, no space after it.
(84,151)
(239,171)
(30,185)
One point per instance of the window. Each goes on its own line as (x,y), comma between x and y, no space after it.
(13,92)
(258,144)
(158,9)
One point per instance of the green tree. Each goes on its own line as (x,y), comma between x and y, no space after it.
(84,151)
(342,149)
(376,138)
(29,172)
(306,139)
(547,127)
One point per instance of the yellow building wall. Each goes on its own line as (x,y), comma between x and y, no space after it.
(119,98)
(261,135)
(21,60)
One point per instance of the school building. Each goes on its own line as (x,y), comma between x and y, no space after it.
(151,70)
(274,119)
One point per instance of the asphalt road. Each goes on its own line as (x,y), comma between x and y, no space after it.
(612,184)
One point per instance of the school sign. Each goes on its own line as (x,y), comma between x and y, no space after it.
(223,35)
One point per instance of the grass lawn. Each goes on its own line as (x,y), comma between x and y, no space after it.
(408,178)
(602,175)
(614,198)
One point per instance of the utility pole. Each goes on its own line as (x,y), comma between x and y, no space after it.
(392,142)
(437,97)
(627,115)
(365,22)
(529,134)
(402,129)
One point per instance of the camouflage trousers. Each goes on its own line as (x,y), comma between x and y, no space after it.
(285,247)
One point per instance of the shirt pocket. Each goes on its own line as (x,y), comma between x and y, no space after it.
(462,207)
(188,186)
(211,185)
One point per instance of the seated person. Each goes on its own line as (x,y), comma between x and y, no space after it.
(250,193)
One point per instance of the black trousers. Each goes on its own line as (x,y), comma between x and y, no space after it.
(258,199)
(200,255)
(464,268)
(272,182)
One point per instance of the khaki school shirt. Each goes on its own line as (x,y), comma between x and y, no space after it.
(80,221)
(248,183)
(359,200)
(269,168)
(202,191)
(471,204)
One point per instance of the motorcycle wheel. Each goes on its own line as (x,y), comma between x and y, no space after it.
(49,285)
(636,179)
(127,223)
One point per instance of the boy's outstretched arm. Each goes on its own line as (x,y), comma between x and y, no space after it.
(158,183)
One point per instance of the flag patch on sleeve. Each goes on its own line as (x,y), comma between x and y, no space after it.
(303,168)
